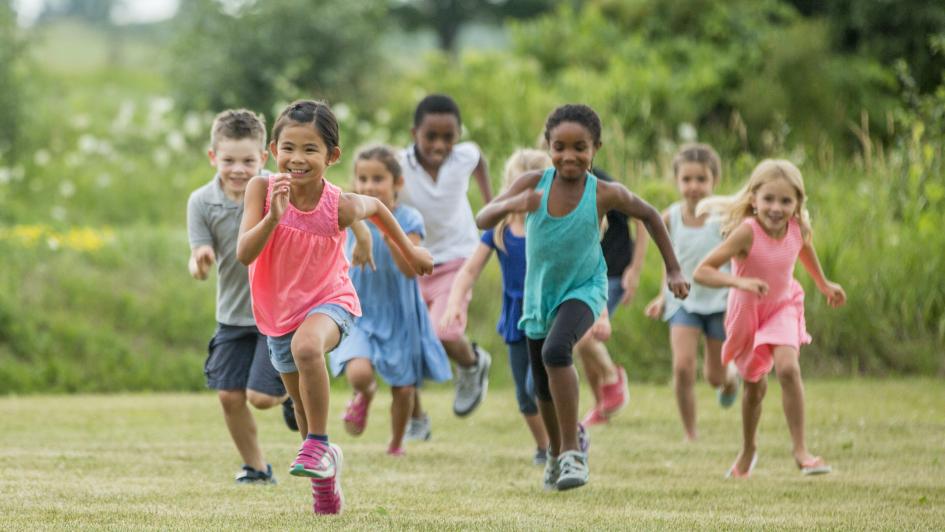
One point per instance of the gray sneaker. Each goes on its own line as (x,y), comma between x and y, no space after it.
(418,429)
(472,383)
(573,472)
(550,478)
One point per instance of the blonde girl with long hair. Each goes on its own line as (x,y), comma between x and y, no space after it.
(507,239)
(767,229)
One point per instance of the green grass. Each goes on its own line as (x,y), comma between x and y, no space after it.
(166,462)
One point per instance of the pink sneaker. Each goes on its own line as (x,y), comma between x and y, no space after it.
(314,460)
(615,396)
(396,452)
(355,416)
(594,417)
(326,492)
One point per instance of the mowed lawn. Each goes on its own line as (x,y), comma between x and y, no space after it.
(166,462)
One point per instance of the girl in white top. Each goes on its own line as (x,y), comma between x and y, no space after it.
(697,170)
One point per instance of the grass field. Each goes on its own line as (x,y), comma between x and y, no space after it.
(165,462)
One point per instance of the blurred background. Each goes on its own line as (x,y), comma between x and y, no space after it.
(106,105)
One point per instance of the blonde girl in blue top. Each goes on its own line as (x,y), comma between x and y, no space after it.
(697,170)
(566,277)
(507,239)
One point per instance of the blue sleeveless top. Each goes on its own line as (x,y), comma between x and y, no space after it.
(564,259)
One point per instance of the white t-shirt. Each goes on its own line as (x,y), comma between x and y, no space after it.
(447,215)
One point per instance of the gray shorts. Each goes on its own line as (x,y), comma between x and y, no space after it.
(238,359)
(280,347)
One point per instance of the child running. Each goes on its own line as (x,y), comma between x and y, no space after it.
(566,278)
(508,240)
(436,180)
(394,336)
(237,365)
(697,170)
(767,229)
(292,237)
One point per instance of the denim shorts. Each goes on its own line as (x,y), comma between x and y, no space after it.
(713,325)
(280,347)
(614,293)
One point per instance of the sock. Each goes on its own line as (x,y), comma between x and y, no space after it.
(318,437)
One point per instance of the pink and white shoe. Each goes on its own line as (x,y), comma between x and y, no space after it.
(328,499)
(355,416)
(396,452)
(315,460)
(594,417)
(615,396)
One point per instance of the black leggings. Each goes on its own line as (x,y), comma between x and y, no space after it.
(573,320)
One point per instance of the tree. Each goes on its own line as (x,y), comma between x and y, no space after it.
(11,94)
(447,17)
(269,52)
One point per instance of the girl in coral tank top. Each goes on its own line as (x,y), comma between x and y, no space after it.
(292,237)
(767,229)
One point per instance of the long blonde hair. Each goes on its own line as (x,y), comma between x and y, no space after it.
(735,208)
(521,161)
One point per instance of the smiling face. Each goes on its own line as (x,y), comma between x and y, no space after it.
(775,202)
(301,152)
(372,178)
(237,161)
(572,149)
(695,182)
(435,137)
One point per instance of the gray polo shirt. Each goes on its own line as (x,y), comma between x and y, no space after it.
(214,219)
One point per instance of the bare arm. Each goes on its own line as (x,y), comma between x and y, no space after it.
(833,292)
(256,228)
(738,244)
(616,196)
(481,173)
(463,282)
(520,197)
(654,309)
(201,259)
(363,252)
(355,207)
(399,260)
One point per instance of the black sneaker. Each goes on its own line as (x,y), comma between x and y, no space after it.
(253,476)
(288,414)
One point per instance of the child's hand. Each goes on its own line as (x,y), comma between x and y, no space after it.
(421,261)
(203,259)
(835,294)
(654,309)
(453,314)
(363,255)
(678,285)
(279,200)
(753,285)
(526,201)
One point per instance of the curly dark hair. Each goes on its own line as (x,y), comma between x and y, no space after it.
(578,113)
(436,104)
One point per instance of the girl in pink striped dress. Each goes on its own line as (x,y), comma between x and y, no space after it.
(292,237)
(767,230)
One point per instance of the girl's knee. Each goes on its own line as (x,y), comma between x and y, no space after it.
(402,392)
(755,391)
(307,353)
(261,400)
(232,400)
(556,355)
(789,372)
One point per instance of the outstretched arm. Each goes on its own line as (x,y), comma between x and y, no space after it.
(399,260)
(616,196)
(363,252)
(481,173)
(738,244)
(520,197)
(463,282)
(355,207)
(832,291)
(256,228)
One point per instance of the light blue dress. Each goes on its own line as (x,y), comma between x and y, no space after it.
(564,259)
(395,331)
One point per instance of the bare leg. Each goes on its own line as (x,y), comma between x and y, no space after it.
(537,429)
(417,410)
(550,419)
(315,337)
(713,369)
(402,398)
(563,382)
(264,401)
(792,397)
(242,427)
(360,374)
(291,381)
(685,343)
(460,351)
(751,415)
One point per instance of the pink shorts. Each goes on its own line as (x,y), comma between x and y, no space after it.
(435,290)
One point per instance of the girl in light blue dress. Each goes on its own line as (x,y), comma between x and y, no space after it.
(394,336)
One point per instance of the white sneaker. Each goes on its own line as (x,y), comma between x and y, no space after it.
(472,383)
(573,470)
(550,477)
(418,429)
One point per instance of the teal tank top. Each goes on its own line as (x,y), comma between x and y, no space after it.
(564,259)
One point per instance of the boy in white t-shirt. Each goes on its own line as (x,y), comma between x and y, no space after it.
(436,181)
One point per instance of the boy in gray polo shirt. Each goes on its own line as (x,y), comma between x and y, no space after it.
(237,365)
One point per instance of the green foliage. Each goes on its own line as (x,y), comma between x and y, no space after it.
(11,85)
(268,53)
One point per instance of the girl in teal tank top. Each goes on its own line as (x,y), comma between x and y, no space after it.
(566,276)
